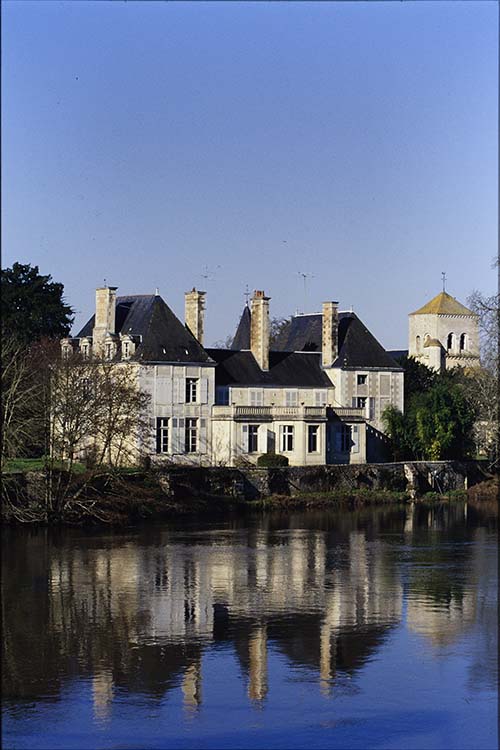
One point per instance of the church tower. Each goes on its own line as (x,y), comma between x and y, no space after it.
(444,334)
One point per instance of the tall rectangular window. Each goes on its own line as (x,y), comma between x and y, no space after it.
(190,435)
(162,434)
(312,438)
(191,390)
(256,398)
(287,438)
(320,398)
(291,398)
(345,438)
(253,436)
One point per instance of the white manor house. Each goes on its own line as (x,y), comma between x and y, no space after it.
(316,397)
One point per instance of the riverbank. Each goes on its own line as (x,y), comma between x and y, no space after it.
(135,496)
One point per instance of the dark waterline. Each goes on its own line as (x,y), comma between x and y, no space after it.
(374,628)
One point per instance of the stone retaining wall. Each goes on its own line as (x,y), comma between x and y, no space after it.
(416,477)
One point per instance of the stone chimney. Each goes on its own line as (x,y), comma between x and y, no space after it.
(194,308)
(105,305)
(259,329)
(330,333)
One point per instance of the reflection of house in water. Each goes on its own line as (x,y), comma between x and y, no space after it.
(137,617)
(441,624)
(259,588)
(102,693)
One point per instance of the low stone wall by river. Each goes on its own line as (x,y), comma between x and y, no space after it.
(416,477)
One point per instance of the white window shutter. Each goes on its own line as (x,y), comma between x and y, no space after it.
(204,390)
(202,445)
(180,434)
(174,440)
(179,391)
(262,439)
(354,402)
(164,391)
(372,407)
(355,438)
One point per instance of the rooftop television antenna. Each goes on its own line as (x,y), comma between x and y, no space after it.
(208,274)
(305,276)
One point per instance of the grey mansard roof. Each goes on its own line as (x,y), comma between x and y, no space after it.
(286,369)
(163,338)
(358,348)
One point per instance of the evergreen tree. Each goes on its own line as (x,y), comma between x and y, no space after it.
(33,305)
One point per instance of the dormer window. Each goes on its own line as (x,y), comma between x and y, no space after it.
(66,349)
(85,348)
(110,349)
(127,346)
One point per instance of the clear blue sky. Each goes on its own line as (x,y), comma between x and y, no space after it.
(154,143)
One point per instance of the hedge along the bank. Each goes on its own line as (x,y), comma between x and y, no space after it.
(272,460)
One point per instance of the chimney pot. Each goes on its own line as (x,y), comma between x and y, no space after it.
(194,309)
(330,333)
(259,329)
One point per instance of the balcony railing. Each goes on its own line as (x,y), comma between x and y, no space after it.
(272,413)
(352,412)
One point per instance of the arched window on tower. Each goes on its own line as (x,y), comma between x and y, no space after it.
(451,341)
(463,342)
(417,344)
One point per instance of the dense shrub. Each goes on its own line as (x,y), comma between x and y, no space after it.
(271,460)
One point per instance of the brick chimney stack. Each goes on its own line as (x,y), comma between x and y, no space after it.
(330,333)
(105,307)
(194,312)
(259,329)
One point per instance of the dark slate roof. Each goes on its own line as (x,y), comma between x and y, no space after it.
(397,353)
(358,348)
(164,337)
(292,369)
(242,336)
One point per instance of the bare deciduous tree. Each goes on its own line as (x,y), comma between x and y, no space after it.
(90,410)
(20,399)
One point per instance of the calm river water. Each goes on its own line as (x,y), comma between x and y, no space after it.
(367,629)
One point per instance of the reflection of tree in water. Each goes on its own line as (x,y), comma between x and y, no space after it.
(136,613)
(444,582)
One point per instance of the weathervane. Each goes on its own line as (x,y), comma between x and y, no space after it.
(443,275)
(247,294)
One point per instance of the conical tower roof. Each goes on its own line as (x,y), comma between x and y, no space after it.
(242,336)
(443,304)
